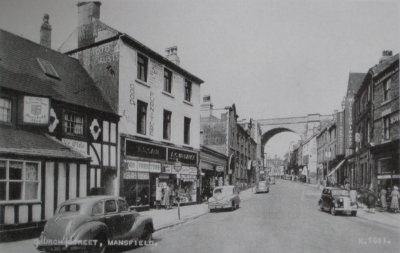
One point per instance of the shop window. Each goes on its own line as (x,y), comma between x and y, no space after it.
(188,90)
(186,132)
(167,125)
(19,180)
(386,127)
(384,165)
(142,64)
(141,117)
(137,192)
(386,89)
(5,110)
(73,123)
(167,81)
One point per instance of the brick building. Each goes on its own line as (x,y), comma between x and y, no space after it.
(386,128)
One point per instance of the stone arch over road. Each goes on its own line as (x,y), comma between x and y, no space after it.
(304,126)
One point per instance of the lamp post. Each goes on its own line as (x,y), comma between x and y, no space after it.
(178,167)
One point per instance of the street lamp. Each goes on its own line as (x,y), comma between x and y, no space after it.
(178,167)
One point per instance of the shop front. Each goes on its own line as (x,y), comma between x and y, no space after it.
(149,178)
(386,161)
(213,165)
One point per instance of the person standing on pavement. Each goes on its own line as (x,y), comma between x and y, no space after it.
(167,193)
(394,205)
(383,198)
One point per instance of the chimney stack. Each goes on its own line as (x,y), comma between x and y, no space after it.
(386,54)
(88,13)
(172,54)
(206,107)
(45,32)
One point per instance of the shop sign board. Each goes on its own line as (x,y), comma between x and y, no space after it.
(137,166)
(384,176)
(79,146)
(134,148)
(155,167)
(136,175)
(182,156)
(220,168)
(36,110)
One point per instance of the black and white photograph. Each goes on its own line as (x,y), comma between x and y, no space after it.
(175,126)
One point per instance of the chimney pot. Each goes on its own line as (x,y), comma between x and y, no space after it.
(45,32)
(386,54)
(172,54)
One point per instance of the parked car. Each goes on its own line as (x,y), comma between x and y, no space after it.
(337,200)
(90,223)
(224,197)
(262,186)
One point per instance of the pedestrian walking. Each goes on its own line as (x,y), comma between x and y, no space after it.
(383,198)
(371,200)
(394,205)
(353,196)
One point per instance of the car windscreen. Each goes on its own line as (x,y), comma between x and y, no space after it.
(340,193)
(69,208)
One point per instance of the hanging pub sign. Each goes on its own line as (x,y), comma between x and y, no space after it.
(134,148)
(182,156)
(36,110)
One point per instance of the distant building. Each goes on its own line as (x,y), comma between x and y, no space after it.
(354,83)
(224,135)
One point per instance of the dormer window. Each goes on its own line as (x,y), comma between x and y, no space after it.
(48,68)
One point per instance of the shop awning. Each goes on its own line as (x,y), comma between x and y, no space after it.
(20,142)
(336,168)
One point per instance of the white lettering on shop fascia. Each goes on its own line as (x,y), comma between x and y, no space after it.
(79,146)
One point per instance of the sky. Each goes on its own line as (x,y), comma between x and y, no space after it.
(272,58)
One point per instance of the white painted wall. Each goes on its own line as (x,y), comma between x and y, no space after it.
(131,90)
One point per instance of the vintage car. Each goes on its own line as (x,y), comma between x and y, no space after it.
(224,197)
(337,200)
(262,186)
(94,223)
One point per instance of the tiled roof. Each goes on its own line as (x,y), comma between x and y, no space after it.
(21,71)
(20,142)
(355,81)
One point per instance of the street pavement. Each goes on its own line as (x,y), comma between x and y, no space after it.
(285,220)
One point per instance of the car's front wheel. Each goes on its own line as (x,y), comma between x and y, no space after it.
(354,213)
(233,206)
(147,233)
